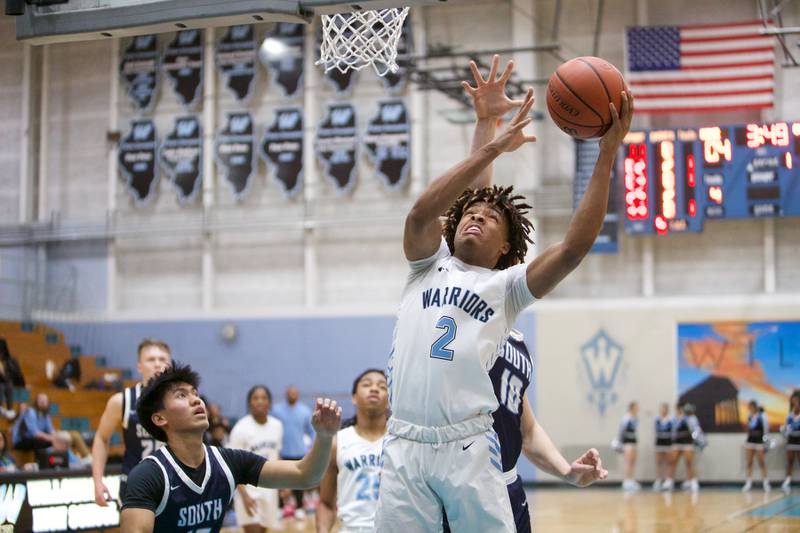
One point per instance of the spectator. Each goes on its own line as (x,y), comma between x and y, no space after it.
(7,463)
(9,368)
(34,429)
(69,376)
(297,434)
(218,436)
(11,365)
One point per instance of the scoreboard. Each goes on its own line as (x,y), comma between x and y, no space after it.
(673,180)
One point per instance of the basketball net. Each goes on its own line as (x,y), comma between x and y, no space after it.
(355,40)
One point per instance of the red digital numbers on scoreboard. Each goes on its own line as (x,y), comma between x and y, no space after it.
(691,182)
(667,171)
(636,201)
(776,134)
(715,147)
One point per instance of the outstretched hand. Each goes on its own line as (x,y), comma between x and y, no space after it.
(489,95)
(620,123)
(326,417)
(513,137)
(587,469)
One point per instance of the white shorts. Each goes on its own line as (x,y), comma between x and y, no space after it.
(267,511)
(464,476)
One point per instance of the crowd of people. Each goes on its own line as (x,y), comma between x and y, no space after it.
(680,437)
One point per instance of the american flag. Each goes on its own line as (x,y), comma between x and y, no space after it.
(706,67)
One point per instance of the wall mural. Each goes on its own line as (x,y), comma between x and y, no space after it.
(724,365)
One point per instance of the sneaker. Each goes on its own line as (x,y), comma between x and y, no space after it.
(300,515)
(694,485)
(747,486)
(766,485)
(668,485)
(9,413)
(686,485)
(630,485)
(657,485)
(787,485)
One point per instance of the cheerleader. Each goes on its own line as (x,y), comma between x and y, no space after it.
(754,446)
(627,436)
(686,435)
(791,430)
(663,445)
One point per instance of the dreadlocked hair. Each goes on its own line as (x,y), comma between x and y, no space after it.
(511,205)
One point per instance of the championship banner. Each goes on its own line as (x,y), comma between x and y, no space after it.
(138,68)
(136,160)
(341,82)
(282,148)
(234,152)
(336,146)
(395,82)
(286,66)
(387,141)
(181,155)
(236,59)
(183,63)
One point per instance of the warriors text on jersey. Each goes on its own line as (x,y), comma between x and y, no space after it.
(452,325)
(511,375)
(184,499)
(359,464)
(138,442)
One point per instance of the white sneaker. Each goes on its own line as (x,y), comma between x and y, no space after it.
(657,485)
(787,485)
(630,485)
(747,486)
(694,485)
(299,514)
(686,485)
(668,485)
(766,485)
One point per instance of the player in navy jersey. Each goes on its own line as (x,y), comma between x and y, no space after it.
(791,430)
(186,485)
(153,356)
(754,446)
(663,446)
(519,432)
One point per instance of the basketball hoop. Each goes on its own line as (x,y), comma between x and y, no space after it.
(355,40)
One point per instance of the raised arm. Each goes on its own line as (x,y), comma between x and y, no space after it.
(549,268)
(423,231)
(307,472)
(326,510)
(111,420)
(491,105)
(540,450)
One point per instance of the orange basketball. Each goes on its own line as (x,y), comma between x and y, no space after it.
(578,94)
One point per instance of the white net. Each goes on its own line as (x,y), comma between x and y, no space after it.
(355,40)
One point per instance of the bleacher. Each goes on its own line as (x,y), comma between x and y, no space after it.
(36,346)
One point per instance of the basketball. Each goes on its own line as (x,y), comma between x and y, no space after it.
(578,94)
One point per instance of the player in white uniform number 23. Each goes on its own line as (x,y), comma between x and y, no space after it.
(467,285)
(352,479)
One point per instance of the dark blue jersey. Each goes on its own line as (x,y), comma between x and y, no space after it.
(627,430)
(792,429)
(186,506)
(511,375)
(664,431)
(138,442)
(756,427)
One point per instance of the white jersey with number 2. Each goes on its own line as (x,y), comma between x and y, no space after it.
(452,325)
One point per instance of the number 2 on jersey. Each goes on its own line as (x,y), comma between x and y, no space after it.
(369,486)
(439,349)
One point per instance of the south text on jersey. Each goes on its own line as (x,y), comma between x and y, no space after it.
(192,515)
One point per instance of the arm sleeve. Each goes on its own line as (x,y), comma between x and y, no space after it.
(48,423)
(518,295)
(420,265)
(245,466)
(145,487)
(29,423)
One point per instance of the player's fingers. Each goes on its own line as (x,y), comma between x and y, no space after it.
(467,87)
(333,406)
(476,73)
(582,467)
(530,138)
(493,71)
(614,114)
(507,72)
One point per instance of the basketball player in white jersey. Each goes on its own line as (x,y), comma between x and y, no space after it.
(353,475)
(153,357)
(256,507)
(467,285)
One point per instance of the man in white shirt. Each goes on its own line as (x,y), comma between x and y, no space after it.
(257,508)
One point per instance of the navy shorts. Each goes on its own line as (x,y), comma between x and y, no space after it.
(519,504)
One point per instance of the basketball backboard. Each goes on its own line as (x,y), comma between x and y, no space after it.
(80,20)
